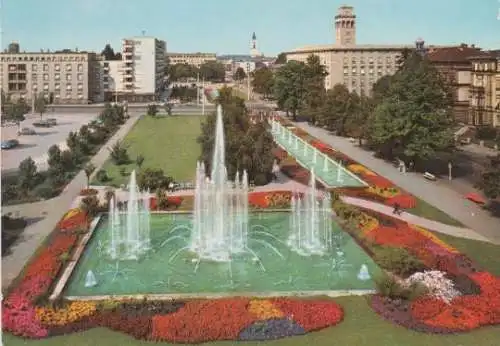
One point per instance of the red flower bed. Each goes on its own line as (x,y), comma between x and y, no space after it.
(272,199)
(427,307)
(73,220)
(172,201)
(201,321)
(311,314)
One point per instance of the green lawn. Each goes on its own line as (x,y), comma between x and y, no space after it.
(167,142)
(361,327)
(430,212)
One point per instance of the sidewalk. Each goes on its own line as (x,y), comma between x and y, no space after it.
(51,211)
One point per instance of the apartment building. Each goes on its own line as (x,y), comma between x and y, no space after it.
(485,89)
(195,59)
(358,67)
(65,77)
(139,76)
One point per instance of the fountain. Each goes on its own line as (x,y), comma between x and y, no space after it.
(129,228)
(311,229)
(315,156)
(220,224)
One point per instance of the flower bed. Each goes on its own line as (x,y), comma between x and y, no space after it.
(88,192)
(173,202)
(380,189)
(272,199)
(479,302)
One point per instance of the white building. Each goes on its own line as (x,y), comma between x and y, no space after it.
(140,75)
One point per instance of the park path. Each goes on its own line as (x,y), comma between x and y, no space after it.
(436,193)
(43,216)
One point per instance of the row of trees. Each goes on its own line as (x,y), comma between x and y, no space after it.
(15,110)
(212,71)
(63,165)
(248,146)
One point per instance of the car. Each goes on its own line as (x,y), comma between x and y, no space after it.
(52,121)
(42,123)
(26,131)
(9,144)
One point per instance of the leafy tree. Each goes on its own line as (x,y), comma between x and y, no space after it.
(16,111)
(54,156)
(27,175)
(119,154)
(315,87)
(240,74)
(414,118)
(184,93)
(109,54)
(381,88)
(139,160)
(213,71)
(181,72)
(153,179)
(90,205)
(281,59)
(152,110)
(89,169)
(290,88)
(40,104)
(357,124)
(338,106)
(168,108)
(490,179)
(263,81)
(248,146)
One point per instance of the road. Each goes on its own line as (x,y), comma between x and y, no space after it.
(133,107)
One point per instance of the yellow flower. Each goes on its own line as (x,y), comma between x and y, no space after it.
(70,313)
(264,309)
(360,169)
(368,224)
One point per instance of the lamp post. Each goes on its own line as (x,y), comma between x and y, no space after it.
(450,166)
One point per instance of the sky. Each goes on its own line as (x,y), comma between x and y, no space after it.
(225,26)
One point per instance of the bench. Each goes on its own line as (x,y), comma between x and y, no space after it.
(429,176)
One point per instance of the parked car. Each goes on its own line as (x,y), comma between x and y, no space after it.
(42,123)
(26,131)
(9,144)
(52,121)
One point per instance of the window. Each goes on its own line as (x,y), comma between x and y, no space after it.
(58,86)
(57,67)
(79,77)
(346,71)
(35,86)
(68,67)
(370,61)
(68,76)
(45,67)
(34,67)
(80,86)
(370,71)
(68,87)
(354,71)
(45,76)
(34,76)
(362,71)
(68,95)
(45,86)
(80,96)
(80,67)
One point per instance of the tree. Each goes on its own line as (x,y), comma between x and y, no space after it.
(490,179)
(139,160)
(338,106)
(54,157)
(213,71)
(181,72)
(315,87)
(414,117)
(281,59)
(109,54)
(152,110)
(119,154)
(289,87)
(357,124)
(40,104)
(153,179)
(240,74)
(27,175)
(263,81)
(16,111)
(248,146)
(89,169)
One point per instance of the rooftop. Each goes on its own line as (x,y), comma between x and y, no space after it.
(456,54)
(333,47)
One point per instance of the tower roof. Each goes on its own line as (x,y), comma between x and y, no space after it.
(254,37)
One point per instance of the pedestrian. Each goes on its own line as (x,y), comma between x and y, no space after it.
(397,209)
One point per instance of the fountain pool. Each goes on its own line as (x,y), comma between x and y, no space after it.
(273,266)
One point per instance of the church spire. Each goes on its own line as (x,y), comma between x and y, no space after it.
(254,37)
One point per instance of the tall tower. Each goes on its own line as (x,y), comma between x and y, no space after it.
(254,52)
(345,26)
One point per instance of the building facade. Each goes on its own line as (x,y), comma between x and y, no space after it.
(485,90)
(195,59)
(67,77)
(358,67)
(139,76)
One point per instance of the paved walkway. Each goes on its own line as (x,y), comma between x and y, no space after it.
(416,220)
(51,211)
(435,193)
